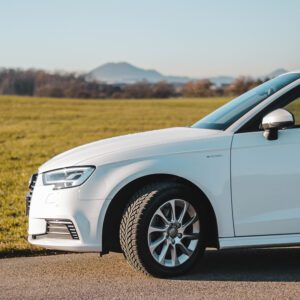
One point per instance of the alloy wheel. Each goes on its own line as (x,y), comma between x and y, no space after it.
(173,233)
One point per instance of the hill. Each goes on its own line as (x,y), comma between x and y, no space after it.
(125,73)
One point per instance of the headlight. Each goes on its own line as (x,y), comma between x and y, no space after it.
(68,177)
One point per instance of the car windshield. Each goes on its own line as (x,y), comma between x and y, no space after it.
(227,114)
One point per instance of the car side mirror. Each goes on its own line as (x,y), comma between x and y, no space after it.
(277,120)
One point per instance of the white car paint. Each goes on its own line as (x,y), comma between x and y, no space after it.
(265,183)
(250,182)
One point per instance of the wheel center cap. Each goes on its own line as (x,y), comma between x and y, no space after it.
(172,232)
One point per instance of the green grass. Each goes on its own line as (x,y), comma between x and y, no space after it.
(35,129)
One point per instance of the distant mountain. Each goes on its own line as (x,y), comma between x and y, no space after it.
(118,73)
(123,73)
(126,73)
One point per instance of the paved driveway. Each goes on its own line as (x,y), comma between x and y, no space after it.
(252,274)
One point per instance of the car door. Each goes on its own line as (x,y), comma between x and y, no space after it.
(266,181)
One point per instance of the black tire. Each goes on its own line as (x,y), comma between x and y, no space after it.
(135,222)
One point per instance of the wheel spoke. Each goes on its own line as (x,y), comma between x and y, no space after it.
(173,211)
(184,210)
(162,216)
(174,257)
(164,252)
(193,220)
(156,243)
(184,249)
(191,236)
(156,229)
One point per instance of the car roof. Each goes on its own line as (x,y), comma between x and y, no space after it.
(291,72)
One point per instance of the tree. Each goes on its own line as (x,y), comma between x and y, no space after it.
(137,90)
(241,85)
(200,88)
(162,90)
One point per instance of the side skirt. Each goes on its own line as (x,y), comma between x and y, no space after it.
(260,241)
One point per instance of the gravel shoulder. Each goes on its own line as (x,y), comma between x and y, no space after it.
(262,273)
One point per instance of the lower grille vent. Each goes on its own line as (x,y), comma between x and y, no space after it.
(32,183)
(60,229)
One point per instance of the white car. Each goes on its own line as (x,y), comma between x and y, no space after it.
(161,197)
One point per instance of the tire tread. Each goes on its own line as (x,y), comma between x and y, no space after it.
(131,219)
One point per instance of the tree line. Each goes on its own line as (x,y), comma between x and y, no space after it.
(68,85)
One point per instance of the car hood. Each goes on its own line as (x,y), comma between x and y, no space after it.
(119,147)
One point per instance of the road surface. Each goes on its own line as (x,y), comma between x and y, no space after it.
(231,274)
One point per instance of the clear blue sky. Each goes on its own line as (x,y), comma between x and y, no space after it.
(178,37)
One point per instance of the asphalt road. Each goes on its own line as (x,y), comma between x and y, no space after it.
(246,274)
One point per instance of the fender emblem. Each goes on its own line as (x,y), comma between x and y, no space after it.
(214,155)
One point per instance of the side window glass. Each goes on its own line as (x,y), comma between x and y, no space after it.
(294,108)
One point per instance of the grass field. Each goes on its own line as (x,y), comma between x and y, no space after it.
(33,130)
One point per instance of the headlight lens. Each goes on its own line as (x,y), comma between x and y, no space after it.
(68,177)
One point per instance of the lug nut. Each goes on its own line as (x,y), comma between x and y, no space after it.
(179,235)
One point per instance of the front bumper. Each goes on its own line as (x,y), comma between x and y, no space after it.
(64,219)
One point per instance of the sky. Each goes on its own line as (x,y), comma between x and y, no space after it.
(194,38)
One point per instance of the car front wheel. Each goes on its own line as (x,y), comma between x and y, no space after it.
(160,231)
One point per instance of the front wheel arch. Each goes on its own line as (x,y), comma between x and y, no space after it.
(114,213)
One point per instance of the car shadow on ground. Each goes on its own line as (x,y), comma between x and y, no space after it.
(276,264)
